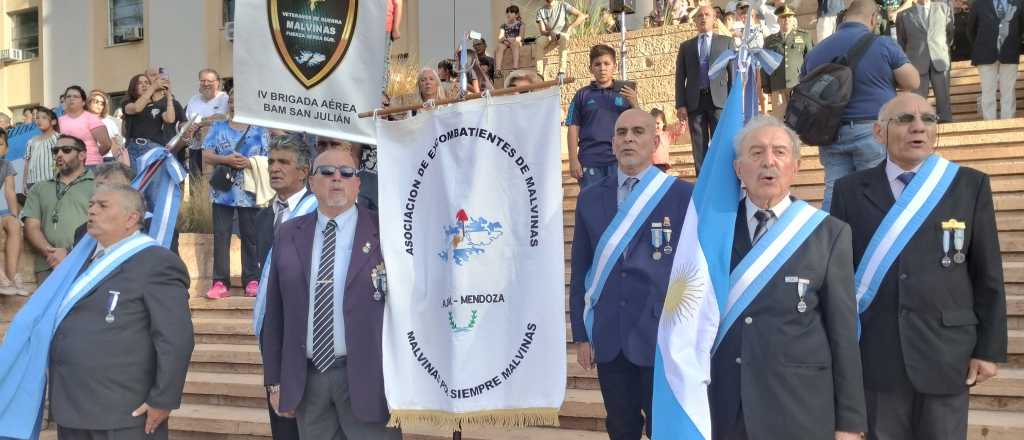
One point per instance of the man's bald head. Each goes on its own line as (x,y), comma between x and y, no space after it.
(634,141)
(903,99)
(861,11)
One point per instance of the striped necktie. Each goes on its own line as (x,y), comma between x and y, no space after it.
(323,305)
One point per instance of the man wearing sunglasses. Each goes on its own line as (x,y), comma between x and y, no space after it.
(56,207)
(321,336)
(929,278)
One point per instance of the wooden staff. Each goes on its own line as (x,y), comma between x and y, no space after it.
(468,97)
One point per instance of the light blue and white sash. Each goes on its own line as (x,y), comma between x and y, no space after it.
(162,192)
(24,355)
(631,216)
(764,260)
(900,224)
(306,205)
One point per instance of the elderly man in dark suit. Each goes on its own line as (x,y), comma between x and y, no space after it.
(700,98)
(118,359)
(289,166)
(934,317)
(789,367)
(925,31)
(325,310)
(620,335)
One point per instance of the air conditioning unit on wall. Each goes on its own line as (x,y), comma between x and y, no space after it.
(133,33)
(9,55)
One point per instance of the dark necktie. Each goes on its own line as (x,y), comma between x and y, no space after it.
(323,303)
(703,53)
(905,178)
(763,216)
(281,206)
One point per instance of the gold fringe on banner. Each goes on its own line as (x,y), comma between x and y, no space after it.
(504,418)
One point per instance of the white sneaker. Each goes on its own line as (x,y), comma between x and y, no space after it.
(19,287)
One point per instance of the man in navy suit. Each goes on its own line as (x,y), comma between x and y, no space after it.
(625,320)
(325,308)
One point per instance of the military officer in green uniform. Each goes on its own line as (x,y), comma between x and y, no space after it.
(793,44)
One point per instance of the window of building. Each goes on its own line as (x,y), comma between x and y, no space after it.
(125,21)
(229,11)
(25,32)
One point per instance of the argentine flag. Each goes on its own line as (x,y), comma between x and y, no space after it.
(698,284)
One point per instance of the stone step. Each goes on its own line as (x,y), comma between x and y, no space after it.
(233,389)
(235,307)
(226,358)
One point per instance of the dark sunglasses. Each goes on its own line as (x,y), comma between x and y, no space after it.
(907,118)
(346,171)
(65,150)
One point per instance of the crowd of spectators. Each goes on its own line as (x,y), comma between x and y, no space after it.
(916,42)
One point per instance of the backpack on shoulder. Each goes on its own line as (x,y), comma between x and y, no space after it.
(817,102)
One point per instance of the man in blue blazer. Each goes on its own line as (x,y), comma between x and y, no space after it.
(615,322)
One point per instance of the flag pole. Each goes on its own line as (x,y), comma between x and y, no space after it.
(469,97)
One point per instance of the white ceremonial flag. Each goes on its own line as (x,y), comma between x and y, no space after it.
(471,232)
(310,65)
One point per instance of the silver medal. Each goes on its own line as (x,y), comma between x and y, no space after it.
(111,306)
(801,290)
(801,306)
(109,318)
(668,249)
(656,256)
(958,244)
(946,261)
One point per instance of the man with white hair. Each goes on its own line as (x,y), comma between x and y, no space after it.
(930,287)
(788,366)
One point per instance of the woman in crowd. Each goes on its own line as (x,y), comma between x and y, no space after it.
(151,115)
(84,125)
(666,136)
(509,37)
(99,105)
(230,144)
(39,165)
(428,87)
(10,280)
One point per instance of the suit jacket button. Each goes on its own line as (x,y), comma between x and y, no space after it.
(903,276)
(739,361)
(749,320)
(622,274)
(622,303)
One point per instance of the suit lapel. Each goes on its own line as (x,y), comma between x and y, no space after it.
(877,190)
(741,236)
(365,233)
(610,198)
(302,241)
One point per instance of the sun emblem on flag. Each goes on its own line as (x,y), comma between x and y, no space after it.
(684,295)
(468,236)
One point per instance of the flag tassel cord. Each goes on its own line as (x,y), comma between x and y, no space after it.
(469,97)
(503,418)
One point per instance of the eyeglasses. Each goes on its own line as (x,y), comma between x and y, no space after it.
(908,118)
(65,150)
(328,171)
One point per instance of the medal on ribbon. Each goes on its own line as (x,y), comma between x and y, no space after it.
(656,240)
(379,280)
(957,228)
(801,291)
(111,305)
(667,231)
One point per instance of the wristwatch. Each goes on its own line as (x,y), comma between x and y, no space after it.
(274,389)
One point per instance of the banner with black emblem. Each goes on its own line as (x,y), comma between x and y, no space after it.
(471,232)
(310,65)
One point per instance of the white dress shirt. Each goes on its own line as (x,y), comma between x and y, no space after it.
(778,210)
(292,202)
(343,238)
(892,171)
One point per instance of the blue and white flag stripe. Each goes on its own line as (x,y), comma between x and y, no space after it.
(900,224)
(306,206)
(765,258)
(634,211)
(697,288)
